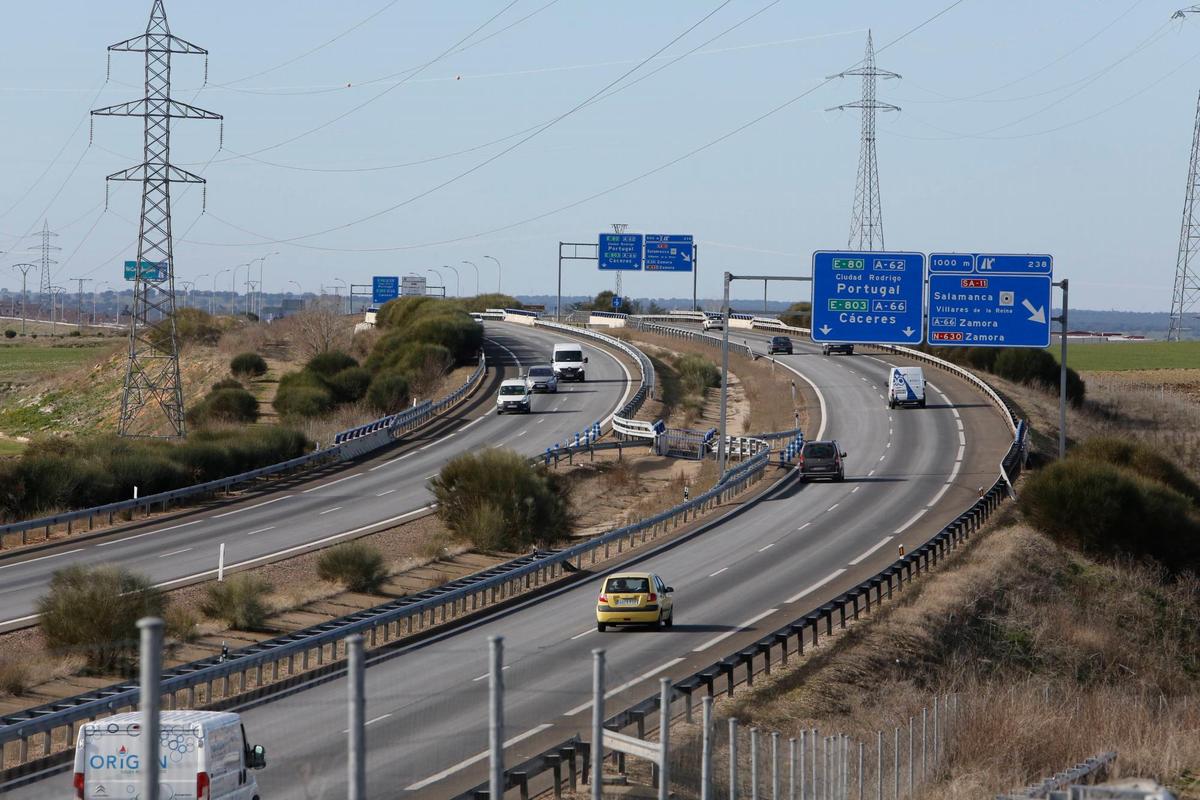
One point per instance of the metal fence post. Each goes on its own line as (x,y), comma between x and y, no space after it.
(896,763)
(733,761)
(860,771)
(813,748)
(924,755)
(706,775)
(879,765)
(803,767)
(936,752)
(792,768)
(664,738)
(911,763)
(597,723)
(754,763)
(496,716)
(356,763)
(774,765)
(150,700)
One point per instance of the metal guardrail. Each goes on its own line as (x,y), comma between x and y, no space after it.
(695,336)
(1059,781)
(645,391)
(395,424)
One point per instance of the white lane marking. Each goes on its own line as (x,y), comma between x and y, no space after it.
(855,489)
(616,691)
(18,619)
(581,635)
(954,472)
(805,525)
(891,418)
(815,586)
(497,444)
(891,431)
(476,759)
(150,533)
(41,558)
(962,438)
(962,448)
(912,521)
(768,547)
(955,412)
(832,507)
(945,488)
(176,552)
(262,530)
(852,372)
(486,674)
(329,511)
(331,483)
(248,508)
(385,492)
(431,477)
(889,444)
(880,397)
(744,626)
(882,457)
(371,721)
(431,444)
(868,553)
(331,538)
(817,391)
(394,460)
(505,349)
(718,572)
(475,421)
(869,474)
(539,420)
(958,422)
(522,433)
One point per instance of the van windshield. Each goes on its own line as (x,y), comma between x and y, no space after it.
(517,390)
(569,356)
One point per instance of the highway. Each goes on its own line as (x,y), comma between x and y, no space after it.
(366,495)
(908,473)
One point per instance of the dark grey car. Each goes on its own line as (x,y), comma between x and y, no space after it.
(822,460)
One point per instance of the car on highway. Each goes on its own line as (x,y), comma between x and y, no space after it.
(514,395)
(569,362)
(635,598)
(204,755)
(713,323)
(822,459)
(847,349)
(779,344)
(541,378)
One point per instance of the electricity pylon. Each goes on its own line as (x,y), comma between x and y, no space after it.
(866,226)
(44,263)
(152,373)
(1186,291)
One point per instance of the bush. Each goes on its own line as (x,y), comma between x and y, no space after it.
(181,624)
(239,602)
(93,611)
(302,401)
(231,405)
(227,383)
(1140,458)
(388,392)
(1029,365)
(191,325)
(14,676)
(1107,510)
(74,333)
(356,565)
(697,373)
(10,334)
(495,500)
(249,365)
(349,385)
(330,363)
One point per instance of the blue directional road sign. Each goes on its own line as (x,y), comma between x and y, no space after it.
(151,270)
(384,288)
(989,300)
(668,252)
(616,302)
(621,251)
(868,297)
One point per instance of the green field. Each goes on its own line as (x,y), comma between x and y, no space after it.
(1119,356)
(10,447)
(21,363)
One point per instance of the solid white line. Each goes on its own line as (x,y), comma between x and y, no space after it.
(176,552)
(718,572)
(329,511)
(248,508)
(387,491)
(581,635)
(394,460)
(815,586)
(41,558)
(868,553)
(331,483)
(938,496)
(150,533)
(744,626)
(614,692)
(832,507)
(768,547)
(18,619)
(475,759)
(475,421)
(954,472)
(817,391)
(261,530)
(911,522)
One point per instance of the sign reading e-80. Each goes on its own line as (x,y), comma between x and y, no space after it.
(868,297)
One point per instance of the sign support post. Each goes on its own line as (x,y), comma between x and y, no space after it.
(1062,373)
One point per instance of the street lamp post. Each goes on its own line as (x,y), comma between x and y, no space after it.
(472,263)
(347,287)
(262,265)
(440,278)
(457,282)
(24,269)
(212,298)
(498,272)
(187,289)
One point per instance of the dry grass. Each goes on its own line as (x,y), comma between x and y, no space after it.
(18,674)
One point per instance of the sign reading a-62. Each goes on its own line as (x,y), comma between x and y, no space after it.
(868,297)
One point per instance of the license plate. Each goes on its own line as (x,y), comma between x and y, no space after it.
(627,601)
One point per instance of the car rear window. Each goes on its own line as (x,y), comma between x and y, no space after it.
(818,450)
(780,340)
(540,372)
(628,585)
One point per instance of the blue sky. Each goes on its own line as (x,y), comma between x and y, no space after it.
(1026,127)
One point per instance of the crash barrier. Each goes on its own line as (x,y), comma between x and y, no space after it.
(609,319)
(380,432)
(694,336)
(683,443)
(637,429)
(1092,769)
(788,641)
(645,390)
(40,736)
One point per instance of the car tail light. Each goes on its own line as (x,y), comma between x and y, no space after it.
(78,786)
(202,786)
(604,599)
(653,597)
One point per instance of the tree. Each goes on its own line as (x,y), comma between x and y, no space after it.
(319,329)
(604,302)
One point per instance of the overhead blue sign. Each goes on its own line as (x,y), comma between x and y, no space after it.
(669,252)
(867,297)
(621,251)
(989,300)
(151,270)
(384,288)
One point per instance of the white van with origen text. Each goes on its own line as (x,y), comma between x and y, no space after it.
(203,755)
(569,363)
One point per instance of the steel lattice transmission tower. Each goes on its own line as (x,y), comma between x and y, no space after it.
(866,227)
(44,264)
(1185,294)
(152,374)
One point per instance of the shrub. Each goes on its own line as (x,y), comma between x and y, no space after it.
(349,385)
(181,624)
(231,405)
(388,392)
(93,611)
(227,383)
(74,333)
(1140,458)
(14,676)
(249,365)
(330,363)
(1104,509)
(495,500)
(10,334)
(697,373)
(191,325)
(356,565)
(302,401)
(239,602)
(1028,365)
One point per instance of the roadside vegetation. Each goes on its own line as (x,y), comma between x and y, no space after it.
(239,601)
(357,566)
(1031,367)
(1122,356)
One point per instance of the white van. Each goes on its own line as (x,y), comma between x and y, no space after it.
(906,387)
(514,395)
(569,362)
(203,756)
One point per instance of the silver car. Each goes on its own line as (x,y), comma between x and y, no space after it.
(541,379)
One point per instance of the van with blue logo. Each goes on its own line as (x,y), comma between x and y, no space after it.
(906,387)
(203,755)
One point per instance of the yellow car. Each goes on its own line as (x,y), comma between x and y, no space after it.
(635,598)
